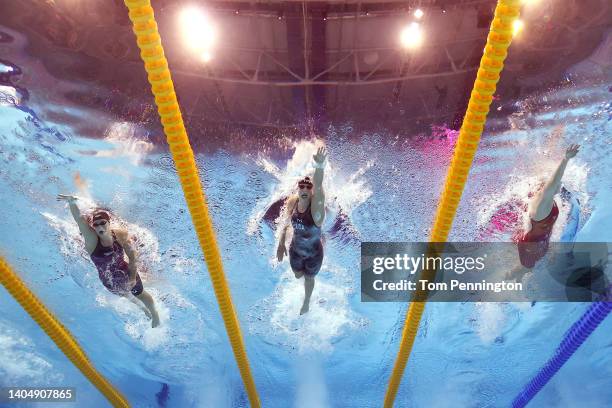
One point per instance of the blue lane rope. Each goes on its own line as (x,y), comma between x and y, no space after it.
(575,336)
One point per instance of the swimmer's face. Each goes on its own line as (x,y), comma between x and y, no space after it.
(304,190)
(101,227)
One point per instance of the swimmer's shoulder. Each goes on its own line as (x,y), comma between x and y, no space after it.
(291,202)
(121,234)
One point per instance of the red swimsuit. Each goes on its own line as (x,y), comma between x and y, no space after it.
(533,245)
(113,270)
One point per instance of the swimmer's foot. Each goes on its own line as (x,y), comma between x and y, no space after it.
(304,309)
(155,320)
(516,274)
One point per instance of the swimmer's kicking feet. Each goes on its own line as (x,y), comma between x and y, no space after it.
(305,212)
(543,213)
(107,248)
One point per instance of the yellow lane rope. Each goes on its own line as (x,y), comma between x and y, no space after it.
(152,53)
(491,65)
(58,333)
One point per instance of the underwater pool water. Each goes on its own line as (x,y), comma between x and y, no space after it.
(379,188)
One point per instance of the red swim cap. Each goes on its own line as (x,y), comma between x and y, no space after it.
(100,215)
(305,180)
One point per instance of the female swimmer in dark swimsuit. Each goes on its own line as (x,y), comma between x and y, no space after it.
(543,213)
(106,248)
(305,213)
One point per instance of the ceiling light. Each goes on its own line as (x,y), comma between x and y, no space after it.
(198,32)
(206,56)
(411,36)
(517,27)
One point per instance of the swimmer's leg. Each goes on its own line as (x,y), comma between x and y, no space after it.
(309,282)
(139,303)
(297,264)
(149,303)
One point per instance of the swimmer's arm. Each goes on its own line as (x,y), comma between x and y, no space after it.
(284,223)
(317,208)
(283,234)
(550,188)
(546,196)
(281,249)
(130,251)
(286,219)
(91,239)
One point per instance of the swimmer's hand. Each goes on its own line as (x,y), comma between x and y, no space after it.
(571,151)
(320,156)
(66,197)
(281,251)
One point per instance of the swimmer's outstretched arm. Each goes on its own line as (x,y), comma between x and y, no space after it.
(318,205)
(91,239)
(545,199)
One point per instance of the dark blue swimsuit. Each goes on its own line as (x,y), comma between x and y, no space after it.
(306,249)
(112,268)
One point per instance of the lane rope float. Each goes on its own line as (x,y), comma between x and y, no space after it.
(573,339)
(152,53)
(491,65)
(60,335)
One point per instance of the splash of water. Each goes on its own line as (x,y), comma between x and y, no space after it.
(129,140)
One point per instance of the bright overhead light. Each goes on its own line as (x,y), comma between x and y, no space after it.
(517,26)
(206,56)
(411,36)
(418,13)
(198,31)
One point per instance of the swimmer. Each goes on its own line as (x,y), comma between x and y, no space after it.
(106,248)
(305,212)
(543,213)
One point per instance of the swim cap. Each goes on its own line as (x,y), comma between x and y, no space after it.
(305,180)
(100,215)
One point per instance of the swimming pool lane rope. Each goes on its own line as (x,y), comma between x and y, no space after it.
(60,335)
(155,63)
(575,336)
(491,65)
